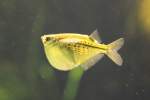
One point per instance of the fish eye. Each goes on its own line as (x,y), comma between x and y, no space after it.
(47,38)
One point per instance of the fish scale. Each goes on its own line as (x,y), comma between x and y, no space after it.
(82,47)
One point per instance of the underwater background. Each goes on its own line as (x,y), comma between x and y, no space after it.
(25,73)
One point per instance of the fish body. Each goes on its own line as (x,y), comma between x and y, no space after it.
(66,51)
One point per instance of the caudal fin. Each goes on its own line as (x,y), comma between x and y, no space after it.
(112,51)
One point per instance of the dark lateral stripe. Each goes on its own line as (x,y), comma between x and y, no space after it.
(91,46)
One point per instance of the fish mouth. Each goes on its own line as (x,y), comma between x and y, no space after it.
(43,38)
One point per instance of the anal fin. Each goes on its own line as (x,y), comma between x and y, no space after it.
(92,61)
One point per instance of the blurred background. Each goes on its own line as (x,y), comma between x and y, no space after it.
(25,73)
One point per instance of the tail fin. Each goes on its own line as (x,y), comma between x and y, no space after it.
(112,51)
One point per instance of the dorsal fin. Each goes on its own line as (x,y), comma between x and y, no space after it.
(95,35)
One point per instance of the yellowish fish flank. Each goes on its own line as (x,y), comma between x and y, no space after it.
(66,51)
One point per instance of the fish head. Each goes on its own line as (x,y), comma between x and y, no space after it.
(48,39)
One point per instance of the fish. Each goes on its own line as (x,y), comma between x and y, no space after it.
(66,51)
